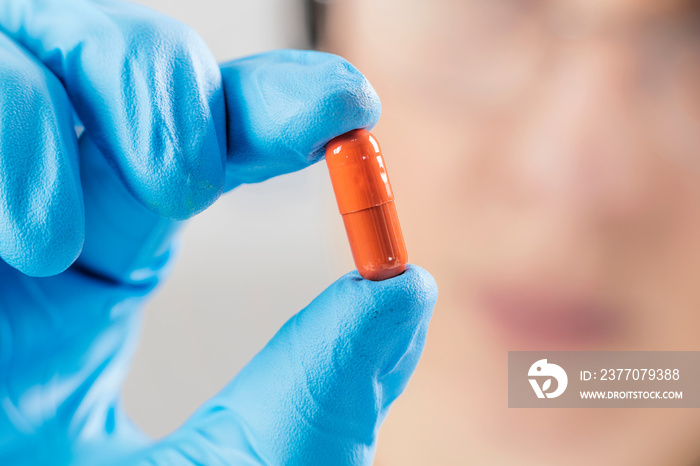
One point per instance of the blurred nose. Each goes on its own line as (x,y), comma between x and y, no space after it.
(576,147)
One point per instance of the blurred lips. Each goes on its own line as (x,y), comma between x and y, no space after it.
(540,318)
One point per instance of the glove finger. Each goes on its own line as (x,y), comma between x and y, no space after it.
(125,243)
(41,204)
(284,106)
(146,88)
(317,393)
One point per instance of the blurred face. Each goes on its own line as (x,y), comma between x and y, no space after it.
(546,160)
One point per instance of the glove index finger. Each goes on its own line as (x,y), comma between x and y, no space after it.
(284,106)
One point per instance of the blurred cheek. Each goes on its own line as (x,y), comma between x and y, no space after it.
(430,160)
(662,277)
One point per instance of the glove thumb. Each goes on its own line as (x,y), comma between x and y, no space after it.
(318,392)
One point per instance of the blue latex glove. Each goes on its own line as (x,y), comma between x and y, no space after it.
(87,229)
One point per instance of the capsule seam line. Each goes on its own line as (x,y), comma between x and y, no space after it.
(367,208)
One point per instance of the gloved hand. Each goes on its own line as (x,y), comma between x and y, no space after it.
(87,231)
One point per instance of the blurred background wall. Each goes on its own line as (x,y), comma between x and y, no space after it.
(247,264)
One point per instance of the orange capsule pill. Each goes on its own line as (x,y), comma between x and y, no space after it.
(366,202)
